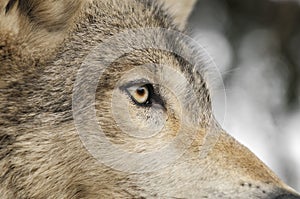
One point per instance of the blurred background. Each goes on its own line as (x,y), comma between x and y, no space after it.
(256,47)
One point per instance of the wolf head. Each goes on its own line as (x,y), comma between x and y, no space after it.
(109,99)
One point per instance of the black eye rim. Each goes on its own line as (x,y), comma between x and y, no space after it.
(153,98)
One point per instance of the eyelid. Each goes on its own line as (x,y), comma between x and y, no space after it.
(135,83)
(134,87)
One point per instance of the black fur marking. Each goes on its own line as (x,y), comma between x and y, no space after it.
(5,141)
(10,5)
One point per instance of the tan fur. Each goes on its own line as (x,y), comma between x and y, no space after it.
(42,47)
(180,9)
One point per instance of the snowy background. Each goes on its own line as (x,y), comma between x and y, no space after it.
(256,46)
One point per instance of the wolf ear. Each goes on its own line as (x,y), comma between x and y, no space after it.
(180,9)
(37,18)
(31,30)
(50,15)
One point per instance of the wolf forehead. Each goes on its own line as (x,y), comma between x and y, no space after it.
(36,15)
(39,27)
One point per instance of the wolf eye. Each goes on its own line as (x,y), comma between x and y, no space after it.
(141,95)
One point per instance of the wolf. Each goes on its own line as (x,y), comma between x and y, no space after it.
(55,93)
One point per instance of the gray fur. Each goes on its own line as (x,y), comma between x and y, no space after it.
(42,46)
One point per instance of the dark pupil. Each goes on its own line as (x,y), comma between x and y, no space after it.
(141,91)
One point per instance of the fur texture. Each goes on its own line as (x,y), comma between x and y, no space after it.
(42,46)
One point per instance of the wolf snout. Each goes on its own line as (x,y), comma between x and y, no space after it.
(284,195)
(287,196)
